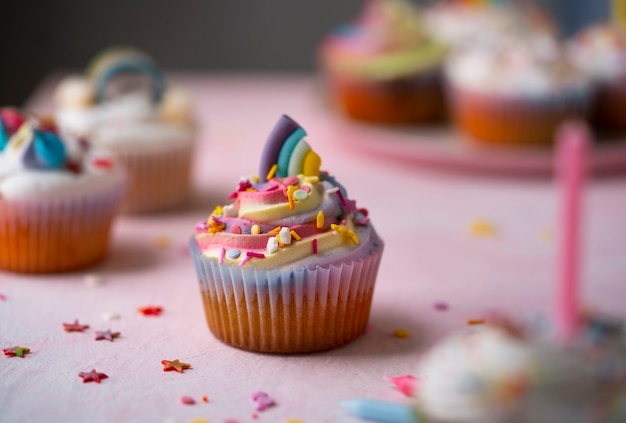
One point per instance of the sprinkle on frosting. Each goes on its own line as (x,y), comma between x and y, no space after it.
(320,220)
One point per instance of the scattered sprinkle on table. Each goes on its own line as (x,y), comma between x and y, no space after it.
(106,334)
(294,421)
(162,242)
(262,400)
(107,315)
(92,280)
(16,351)
(74,327)
(476,322)
(151,310)
(198,421)
(187,400)
(174,365)
(546,235)
(92,376)
(2,297)
(483,228)
(440,306)
(405,384)
(401,333)
(205,399)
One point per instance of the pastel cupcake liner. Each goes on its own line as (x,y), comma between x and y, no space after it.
(159,178)
(288,310)
(48,236)
(497,120)
(414,99)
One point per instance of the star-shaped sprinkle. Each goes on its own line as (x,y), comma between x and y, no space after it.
(405,384)
(174,365)
(92,376)
(151,310)
(16,351)
(74,327)
(262,400)
(106,334)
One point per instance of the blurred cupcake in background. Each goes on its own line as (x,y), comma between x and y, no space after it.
(462,24)
(384,68)
(600,52)
(123,104)
(515,94)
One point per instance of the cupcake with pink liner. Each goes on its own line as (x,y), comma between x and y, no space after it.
(58,199)
(515,94)
(290,265)
(123,104)
(384,68)
(600,52)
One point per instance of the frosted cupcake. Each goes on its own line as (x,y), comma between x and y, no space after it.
(290,265)
(600,52)
(57,202)
(503,374)
(515,94)
(383,68)
(122,104)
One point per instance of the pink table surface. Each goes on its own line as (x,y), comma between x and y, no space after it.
(423,215)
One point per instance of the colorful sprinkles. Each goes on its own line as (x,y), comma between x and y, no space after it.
(16,351)
(176,365)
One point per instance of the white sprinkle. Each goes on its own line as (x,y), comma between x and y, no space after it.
(272,245)
(108,316)
(332,190)
(285,235)
(300,194)
(92,280)
(229,210)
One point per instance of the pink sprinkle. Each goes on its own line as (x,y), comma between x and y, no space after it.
(244,261)
(255,255)
(314,245)
(271,188)
(440,306)
(342,200)
(236,229)
(291,180)
(306,188)
(187,400)
(2,297)
(220,260)
(262,401)
(344,222)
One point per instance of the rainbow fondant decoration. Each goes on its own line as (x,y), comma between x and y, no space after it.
(118,60)
(287,152)
(10,121)
(39,149)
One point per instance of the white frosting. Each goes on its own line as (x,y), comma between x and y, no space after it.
(600,52)
(17,182)
(531,69)
(490,376)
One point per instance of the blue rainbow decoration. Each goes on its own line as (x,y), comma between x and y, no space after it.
(287,148)
(120,60)
(45,151)
(4,136)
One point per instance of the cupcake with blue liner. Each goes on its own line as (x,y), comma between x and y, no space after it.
(290,265)
(383,68)
(123,104)
(58,199)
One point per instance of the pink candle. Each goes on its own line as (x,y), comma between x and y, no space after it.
(571,168)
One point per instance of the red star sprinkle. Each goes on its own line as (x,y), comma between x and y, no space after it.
(174,365)
(151,310)
(107,334)
(103,163)
(92,376)
(74,327)
(16,351)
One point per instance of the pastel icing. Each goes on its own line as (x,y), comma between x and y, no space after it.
(38,164)
(298,218)
(498,374)
(10,121)
(535,68)
(386,42)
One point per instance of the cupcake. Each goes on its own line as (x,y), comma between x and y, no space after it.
(600,52)
(515,94)
(122,104)
(505,373)
(290,265)
(383,68)
(57,201)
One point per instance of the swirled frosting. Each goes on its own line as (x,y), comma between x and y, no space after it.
(38,164)
(386,42)
(600,52)
(301,217)
(496,374)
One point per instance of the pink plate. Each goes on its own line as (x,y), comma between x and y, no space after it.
(443,148)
